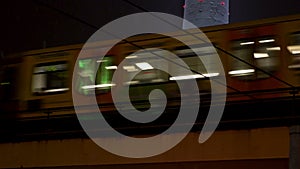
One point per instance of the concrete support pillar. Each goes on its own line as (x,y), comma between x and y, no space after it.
(206,12)
(294,161)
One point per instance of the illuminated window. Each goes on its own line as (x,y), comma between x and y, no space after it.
(50,78)
(89,79)
(104,74)
(140,67)
(294,48)
(260,53)
(266,56)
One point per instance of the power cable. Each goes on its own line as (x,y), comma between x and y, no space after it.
(217,47)
(132,43)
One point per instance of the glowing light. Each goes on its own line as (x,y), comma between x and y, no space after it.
(157,80)
(196,76)
(222,3)
(132,82)
(266,41)
(130,68)
(184,6)
(295,49)
(186,77)
(111,67)
(211,74)
(296,52)
(5,83)
(294,66)
(274,48)
(260,55)
(131,57)
(241,72)
(56,90)
(144,66)
(246,43)
(101,61)
(97,86)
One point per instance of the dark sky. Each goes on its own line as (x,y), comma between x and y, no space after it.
(245,10)
(32,24)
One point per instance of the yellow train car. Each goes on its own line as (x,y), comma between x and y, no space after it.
(260,60)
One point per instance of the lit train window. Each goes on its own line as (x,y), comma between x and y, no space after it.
(205,53)
(145,62)
(104,74)
(89,79)
(242,49)
(50,78)
(257,54)
(266,56)
(294,49)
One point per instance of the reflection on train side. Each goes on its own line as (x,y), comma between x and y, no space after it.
(256,54)
(146,62)
(151,66)
(191,67)
(294,48)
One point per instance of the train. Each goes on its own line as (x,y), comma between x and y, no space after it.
(261,60)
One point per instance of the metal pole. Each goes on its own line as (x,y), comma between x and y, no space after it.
(206,12)
(294,160)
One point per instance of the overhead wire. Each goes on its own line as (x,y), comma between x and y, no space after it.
(217,47)
(132,43)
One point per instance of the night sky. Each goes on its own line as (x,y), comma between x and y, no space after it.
(33,24)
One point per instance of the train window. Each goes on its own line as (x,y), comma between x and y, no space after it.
(261,53)
(294,49)
(242,49)
(294,43)
(266,56)
(85,75)
(50,78)
(145,62)
(194,62)
(104,74)
(90,79)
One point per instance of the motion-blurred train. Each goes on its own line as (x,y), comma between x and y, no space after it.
(261,60)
